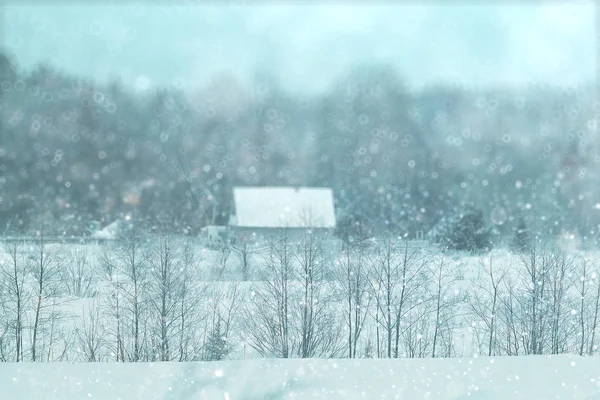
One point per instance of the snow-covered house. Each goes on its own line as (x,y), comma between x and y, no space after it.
(263,213)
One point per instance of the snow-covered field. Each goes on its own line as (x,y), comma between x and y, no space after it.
(500,378)
(448,299)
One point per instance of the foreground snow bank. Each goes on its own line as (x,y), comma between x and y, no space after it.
(540,377)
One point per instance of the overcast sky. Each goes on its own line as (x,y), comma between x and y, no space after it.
(309,47)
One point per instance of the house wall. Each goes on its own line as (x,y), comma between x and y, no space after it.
(238,234)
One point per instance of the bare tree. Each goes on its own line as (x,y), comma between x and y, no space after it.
(113,304)
(78,275)
(417,336)
(244,253)
(268,321)
(191,293)
(353,278)
(290,313)
(60,336)
(535,280)
(165,283)
(398,275)
(5,342)
(45,270)
(131,258)
(386,279)
(585,289)
(412,278)
(376,287)
(443,274)
(220,262)
(582,291)
(484,300)
(90,334)
(319,333)
(594,311)
(561,278)
(511,317)
(13,285)
(173,297)
(538,308)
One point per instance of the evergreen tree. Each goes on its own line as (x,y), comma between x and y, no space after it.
(468,233)
(217,347)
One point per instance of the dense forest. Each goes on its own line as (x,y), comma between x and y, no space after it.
(74,151)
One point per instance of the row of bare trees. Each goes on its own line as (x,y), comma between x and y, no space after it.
(548,302)
(388,298)
(381,299)
(139,300)
(30,282)
(157,306)
(157,299)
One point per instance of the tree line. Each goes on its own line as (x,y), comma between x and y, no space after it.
(164,298)
(73,151)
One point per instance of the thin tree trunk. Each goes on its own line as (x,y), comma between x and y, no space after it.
(595,322)
(38,307)
(582,311)
(492,322)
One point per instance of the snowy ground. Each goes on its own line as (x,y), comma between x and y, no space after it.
(500,378)
(540,377)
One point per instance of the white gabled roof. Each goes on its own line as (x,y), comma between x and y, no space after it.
(283,207)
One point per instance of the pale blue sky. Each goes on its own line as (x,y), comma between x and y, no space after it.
(309,47)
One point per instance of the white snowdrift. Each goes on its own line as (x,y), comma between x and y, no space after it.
(539,377)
